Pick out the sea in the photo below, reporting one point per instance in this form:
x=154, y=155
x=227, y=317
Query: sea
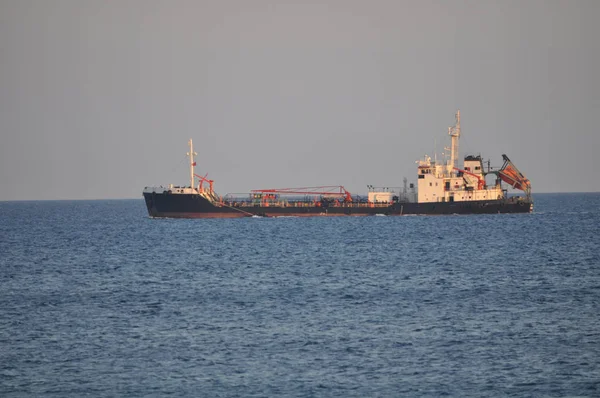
x=98, y=299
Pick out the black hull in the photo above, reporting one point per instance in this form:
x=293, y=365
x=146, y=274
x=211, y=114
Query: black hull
x=195, y=206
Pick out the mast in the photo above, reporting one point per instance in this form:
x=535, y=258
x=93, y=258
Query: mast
x=191, y=154
x=455, y=134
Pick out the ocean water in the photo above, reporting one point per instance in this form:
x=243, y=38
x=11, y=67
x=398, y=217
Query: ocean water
x=97, y=299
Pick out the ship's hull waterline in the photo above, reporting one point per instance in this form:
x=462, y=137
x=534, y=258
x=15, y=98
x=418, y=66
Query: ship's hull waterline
x=164, y=205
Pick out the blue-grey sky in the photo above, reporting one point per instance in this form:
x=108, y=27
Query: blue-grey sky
x=99, y=98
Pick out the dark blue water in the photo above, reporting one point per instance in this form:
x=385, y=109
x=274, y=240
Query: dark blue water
x=98, y=299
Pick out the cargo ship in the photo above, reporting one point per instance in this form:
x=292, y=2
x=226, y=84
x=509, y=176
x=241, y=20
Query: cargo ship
x=441, y=188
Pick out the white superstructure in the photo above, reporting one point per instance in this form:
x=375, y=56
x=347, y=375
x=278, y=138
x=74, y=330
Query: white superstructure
x=446, y=182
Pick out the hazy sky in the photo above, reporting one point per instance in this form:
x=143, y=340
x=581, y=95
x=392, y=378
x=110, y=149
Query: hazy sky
x=99, y=98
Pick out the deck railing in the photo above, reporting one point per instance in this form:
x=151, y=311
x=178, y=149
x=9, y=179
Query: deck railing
x=319, y=204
